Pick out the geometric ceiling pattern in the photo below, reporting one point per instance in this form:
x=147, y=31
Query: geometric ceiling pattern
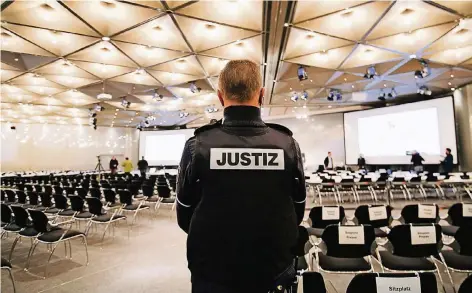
x=57, y=57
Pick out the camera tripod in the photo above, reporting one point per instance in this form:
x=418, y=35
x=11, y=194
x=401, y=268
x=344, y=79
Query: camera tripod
x=99, y=166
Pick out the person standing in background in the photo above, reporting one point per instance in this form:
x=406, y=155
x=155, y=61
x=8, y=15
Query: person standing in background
x=127, y=165
x=361, y=162
x=113, y=165
x=143, y=166
x=448, y=162
x=417, y=161
x=328, y=162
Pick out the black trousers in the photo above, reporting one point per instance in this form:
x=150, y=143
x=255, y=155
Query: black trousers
x=143, y=172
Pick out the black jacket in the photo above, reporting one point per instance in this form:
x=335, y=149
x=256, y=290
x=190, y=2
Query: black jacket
x=241, y=195
x=326, y=162
x=448, y=163
x=361, y=162
x=142, y=165
x=417, y=160
x=113, y=164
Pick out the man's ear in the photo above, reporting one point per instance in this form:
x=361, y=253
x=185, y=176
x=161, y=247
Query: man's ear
x=220, y=97
x=261, y=96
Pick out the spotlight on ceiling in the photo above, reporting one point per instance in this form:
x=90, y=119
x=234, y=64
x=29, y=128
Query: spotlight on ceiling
x=98, y=108
x=156, y=96
x=183, y=114
x=424, y=90
x=392, y=93
x=332, y=94
x=150, y=118
x=211, y=109
x=194, y=89
x=301, y=72
x=370, y=73
x=381, y=96
x=125, y=103
x=425, y=70
x=304, y=96
x=93, y=122
x=139, y=127
x=294, y=97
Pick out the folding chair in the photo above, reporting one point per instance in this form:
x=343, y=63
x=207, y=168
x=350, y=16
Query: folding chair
x=345, y=249
x=27, y=230
x=420, y=213
x=320, y=217
x=6, y=265
x=378, y=216
x=367, y=282
x=52, y=234
x=165, y=196
x=8, y=223
x=148, y=193
x=456, y=218
x=11, y=197
x=102, y=217
x=411, y=248
x=126, y=200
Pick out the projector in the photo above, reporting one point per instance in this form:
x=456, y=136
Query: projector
x=104, y=96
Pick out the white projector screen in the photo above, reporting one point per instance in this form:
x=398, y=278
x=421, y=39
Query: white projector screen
x=163, y=147
x=389, y=135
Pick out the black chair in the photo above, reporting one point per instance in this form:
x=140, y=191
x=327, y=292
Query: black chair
x=46, y=202
x=410, y=214
x=22, y=221
x=126, y=200
x=101, y=217
x=8, y=223
x=33, y=199
x=345, y=252
x=6, y=265
x=466, y=286
x=148, y=193
x=95, y=192
x=60, y=202
x=21, y=195
x=52, y=234
x=367, y=282
x=321, y=217
x=78, y=206
x=460, y=258
x=456, y=219
x=381, y=215
x=403, y=255
x=110, y=198
x=11, y=197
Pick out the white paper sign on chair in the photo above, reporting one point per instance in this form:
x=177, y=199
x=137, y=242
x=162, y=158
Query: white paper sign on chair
x=330, y=213
x=351, y=235
x=386, y=285
x=377, y=213
x=426, y=211
x=423, y=235
x=467, y=210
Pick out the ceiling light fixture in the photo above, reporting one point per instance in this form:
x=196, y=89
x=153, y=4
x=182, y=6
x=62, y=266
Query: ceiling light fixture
x=301, y=73
x=392, y=93
x=193, y=88
x=304, y=95
x=424, y=90
x=412, y=56
x=125, y=103
x=424, y=72
x=294, y=97
x=106, y=39
x=371, y=73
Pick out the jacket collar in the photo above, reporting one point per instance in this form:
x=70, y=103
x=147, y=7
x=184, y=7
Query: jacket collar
x=242, y=116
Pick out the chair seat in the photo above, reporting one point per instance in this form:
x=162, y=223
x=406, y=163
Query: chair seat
x=83, y=215
x=6, y=263
x=400, y=263
x=315, y=232
x=457, y=261
x=380, y=233
x=12, y=227
x=51, y=211
x=56, y=234
x=133, y=207
x=341, y=264
x=301, y=263
x=3, y=224
x=67, y=213
x=168, y=200
x=29, y=232
x=106, y=218
x=152, y=199
x=449, y=230
x=28, y=206
x=41, y=209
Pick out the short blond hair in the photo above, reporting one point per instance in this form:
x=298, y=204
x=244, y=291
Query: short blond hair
x=240, y=80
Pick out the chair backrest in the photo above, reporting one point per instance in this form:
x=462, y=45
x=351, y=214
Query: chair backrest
x=95, y=192
x=33, y=198
x=420, y=213
x=163, y=191
x=95, y=206
x=48, y=189
x=45, y=199
x=348, y=241
x=21, y=216
x=110, y=195
x=76, y=203
x=403, y=245
x=125, y=197
x=40, y=221
x=464, y=238
x=6, y=214
x=60, y=201
x=456, y=214
x=148, y=190
x=313, y=282
x=81, y=192
x=323, y=216
x=367, y=282
x=466, y=286
x=375, y=215
x=11, y=195
x=21, y=196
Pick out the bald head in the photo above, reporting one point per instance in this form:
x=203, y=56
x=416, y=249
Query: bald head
x=240, y=83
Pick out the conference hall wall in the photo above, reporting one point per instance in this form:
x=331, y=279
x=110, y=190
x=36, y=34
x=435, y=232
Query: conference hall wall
x=63, y=147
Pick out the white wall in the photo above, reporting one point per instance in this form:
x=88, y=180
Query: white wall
x=63, y=147
x=316, y=136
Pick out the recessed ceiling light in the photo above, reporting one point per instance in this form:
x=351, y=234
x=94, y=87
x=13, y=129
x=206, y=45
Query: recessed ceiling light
x=452, y=75
x=311, y=80
x=412, y=56
x=345, y=79
x=304, y=106
x=290, y=88
x=449, y=83
x=453, y=88
x=286, y=24
x=16, y=59
x=330, y=106
x=385, y=85
x=106, y=39
x=352, y=86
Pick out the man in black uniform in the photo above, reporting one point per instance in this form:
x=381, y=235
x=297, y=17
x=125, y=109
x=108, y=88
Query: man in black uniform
x=143, y=166
x=241, y=192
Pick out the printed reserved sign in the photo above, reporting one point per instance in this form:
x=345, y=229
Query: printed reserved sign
x=410, y=285
x=467, y=210
x=426, y=211
x=423, y=235
x=247, y=159
x=377, y=213
x=351, y=235
x=330, y=213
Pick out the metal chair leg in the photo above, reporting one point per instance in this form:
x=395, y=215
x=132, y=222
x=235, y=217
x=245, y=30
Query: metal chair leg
x=30, y=254
x=13, y=247
x=12, y=280
x=65, y=248
x=104, y=232
x=70, y=249
x=86, y=249
x=49, y=259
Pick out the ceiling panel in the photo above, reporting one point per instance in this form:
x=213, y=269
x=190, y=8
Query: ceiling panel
x=13, y=43
x=212, y=66
x=351, y=24
x=103, y=71
x=452, y=56
x=9, y=74
x=456, y=38
x=407, y=16
x=248, y=49
x=103, y=52
x=146, y=55
x=311, y=9
x=137, y=77
x=186, y=65
x=168, y=78
x=148, y=3
x=70, y=81
x=367, y=55
x=64, y=68
x=463, y=7
x=330, y=59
